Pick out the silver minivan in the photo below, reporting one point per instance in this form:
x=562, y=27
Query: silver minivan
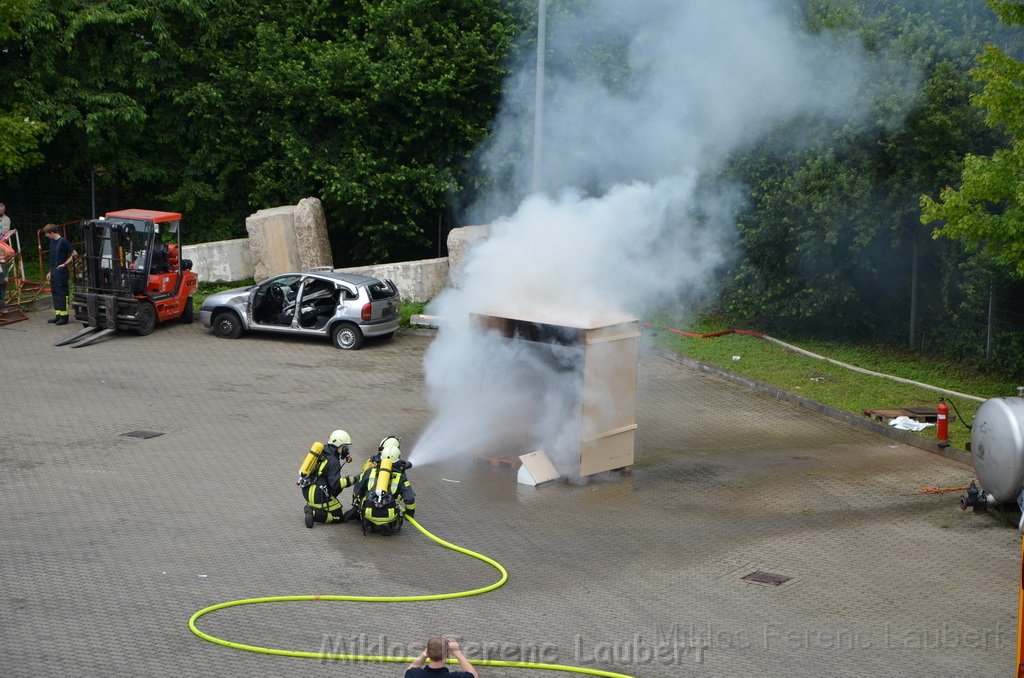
x=347, y=307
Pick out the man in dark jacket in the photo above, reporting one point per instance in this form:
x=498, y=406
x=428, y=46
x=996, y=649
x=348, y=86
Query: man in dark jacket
x=61, y=256
x=435, y=655
x=322, y=488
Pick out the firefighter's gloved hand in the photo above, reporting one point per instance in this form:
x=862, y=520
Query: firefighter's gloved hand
x=348, y=460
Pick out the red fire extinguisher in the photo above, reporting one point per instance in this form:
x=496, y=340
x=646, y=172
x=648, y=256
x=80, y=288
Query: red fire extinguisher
x=942, y=423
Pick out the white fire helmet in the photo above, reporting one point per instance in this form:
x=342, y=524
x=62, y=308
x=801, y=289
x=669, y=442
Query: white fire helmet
x=385, y=441
x=339, y=438
x=391, y=451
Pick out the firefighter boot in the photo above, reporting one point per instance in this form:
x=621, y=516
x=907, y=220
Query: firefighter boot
x=309, y=516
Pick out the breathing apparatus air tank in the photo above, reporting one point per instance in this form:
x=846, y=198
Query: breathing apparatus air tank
x=313, y=457
x=390, y=453
x=383, y=477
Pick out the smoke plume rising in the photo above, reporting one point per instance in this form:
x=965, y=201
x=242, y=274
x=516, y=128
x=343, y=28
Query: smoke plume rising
x=629, y=218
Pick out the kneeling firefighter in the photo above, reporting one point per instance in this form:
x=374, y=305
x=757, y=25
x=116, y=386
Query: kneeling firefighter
x=383, y=493
x=321, y=480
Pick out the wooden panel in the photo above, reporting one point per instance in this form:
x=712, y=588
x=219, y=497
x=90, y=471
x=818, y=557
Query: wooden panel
x=608, y=452
x=609, y=386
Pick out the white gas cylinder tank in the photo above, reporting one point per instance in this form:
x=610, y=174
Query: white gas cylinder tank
x=997, y=443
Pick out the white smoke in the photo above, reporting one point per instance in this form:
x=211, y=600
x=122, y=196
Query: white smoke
x=627, y=221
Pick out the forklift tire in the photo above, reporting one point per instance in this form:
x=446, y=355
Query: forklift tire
x=145, y=316
x=227, y=325
x=187, y=316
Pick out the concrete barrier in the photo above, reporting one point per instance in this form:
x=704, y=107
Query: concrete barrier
x=221, y=261
x=418, y=281
x=227, y=261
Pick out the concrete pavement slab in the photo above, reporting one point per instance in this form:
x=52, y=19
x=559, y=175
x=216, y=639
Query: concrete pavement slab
x=110, y=542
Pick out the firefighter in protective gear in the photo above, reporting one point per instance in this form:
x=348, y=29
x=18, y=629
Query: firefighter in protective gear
x=383, y=494
x=322, y=486
x=340, y=438
x=375, y=459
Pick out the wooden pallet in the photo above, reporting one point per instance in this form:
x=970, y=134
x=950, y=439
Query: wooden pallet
x=500, y=460
x=921, y=414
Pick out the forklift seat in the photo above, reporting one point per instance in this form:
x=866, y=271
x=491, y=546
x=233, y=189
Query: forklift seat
x=160, y=258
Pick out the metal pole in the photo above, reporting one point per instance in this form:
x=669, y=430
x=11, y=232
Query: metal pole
x=913, y=294
x=991, y=308
x=92, y=185
x=538, y=98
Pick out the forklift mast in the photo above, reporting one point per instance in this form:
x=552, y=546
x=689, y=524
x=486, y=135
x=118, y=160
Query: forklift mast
x=112, y=248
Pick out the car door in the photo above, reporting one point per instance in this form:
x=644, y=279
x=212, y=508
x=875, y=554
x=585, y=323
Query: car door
x=272, y=304
x=316, y=305
x=385, y=301
x=348, y=302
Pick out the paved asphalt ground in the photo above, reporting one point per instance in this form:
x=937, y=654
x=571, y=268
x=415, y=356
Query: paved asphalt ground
x=109, y=543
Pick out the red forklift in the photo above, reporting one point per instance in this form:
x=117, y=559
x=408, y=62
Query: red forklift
x=132, y=275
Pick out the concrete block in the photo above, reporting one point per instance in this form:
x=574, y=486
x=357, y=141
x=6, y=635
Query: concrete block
x=460, y=242
x=311, y=234
x=423, y=320
x=221, y=261
x=272, y=241
x=288, y=238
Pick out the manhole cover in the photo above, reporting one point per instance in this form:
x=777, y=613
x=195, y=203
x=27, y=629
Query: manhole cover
x=769, y=578
x=143, y=434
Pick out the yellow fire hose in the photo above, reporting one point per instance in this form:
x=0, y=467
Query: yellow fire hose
x=387, y=599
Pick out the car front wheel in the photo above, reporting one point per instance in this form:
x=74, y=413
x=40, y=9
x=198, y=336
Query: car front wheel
x=227, y=325
x=347, y=337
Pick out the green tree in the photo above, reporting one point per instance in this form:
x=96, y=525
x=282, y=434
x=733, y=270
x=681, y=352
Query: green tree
x=832, y=226
x=987, y=210
x=217, y=109
x=20, y=132
x=372, y=106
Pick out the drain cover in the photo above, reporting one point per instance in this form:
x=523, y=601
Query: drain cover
x=143, y=434
x=769, y=578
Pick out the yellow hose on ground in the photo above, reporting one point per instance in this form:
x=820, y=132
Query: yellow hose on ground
x=387, y=599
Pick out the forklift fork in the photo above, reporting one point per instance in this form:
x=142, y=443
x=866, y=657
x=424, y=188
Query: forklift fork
x=97, y=328
x=91, y=334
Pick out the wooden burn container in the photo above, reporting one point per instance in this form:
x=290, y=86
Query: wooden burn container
x=605, y=353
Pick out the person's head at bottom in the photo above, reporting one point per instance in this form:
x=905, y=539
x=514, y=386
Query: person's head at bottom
x=437, y=649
